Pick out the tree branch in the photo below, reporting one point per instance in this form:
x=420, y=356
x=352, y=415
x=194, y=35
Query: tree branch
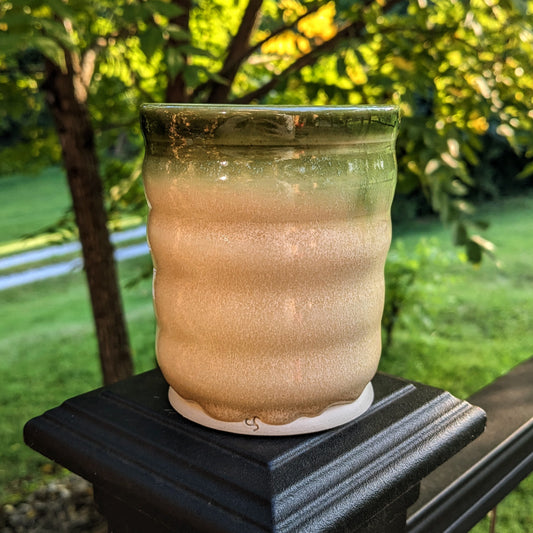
x=350, y=31
x=282, y=29
x=220, y=91
x=225, y=71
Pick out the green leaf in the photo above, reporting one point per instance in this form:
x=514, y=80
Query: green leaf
x=56, y=30
x=464, y=207
x=456, y=188
x=341, y=64
x=460, y=235
x=134, y=13
x=474, y=252
x=520, y=6
x=475, y=142
x=151, y=40
x=177, y=33
x=526, y=172
x=175, y=62
x=189, y=49
x=469, y=155
x=62, y=9
x=167, y=9
x=190, y=74
x=217, y=77
x=50, y=49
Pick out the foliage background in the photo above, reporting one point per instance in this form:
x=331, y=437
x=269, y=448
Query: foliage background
x=459, y=71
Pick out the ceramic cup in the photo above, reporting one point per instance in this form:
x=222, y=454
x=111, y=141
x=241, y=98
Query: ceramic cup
x=269, y=228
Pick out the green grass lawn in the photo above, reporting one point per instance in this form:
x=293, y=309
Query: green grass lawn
x=48, y=353
x=476, y=325
x=481, y=319
x=31, y=203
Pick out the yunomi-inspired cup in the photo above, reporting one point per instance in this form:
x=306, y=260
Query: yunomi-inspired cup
x=269, y=227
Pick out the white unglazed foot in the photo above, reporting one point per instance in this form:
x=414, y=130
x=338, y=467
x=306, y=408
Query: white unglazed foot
x=333, y=416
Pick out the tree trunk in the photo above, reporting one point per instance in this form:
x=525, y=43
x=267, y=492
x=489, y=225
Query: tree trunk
x=76, y=136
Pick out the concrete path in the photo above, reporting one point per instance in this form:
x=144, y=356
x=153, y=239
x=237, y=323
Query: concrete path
x=64, y=267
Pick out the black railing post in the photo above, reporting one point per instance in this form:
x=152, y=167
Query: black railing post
x=463, y=490
x=154, y=471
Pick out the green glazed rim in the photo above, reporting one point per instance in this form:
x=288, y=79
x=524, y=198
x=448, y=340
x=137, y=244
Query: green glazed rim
x=257, y=125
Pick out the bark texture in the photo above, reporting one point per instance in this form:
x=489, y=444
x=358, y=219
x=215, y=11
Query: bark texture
x=66, y=99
